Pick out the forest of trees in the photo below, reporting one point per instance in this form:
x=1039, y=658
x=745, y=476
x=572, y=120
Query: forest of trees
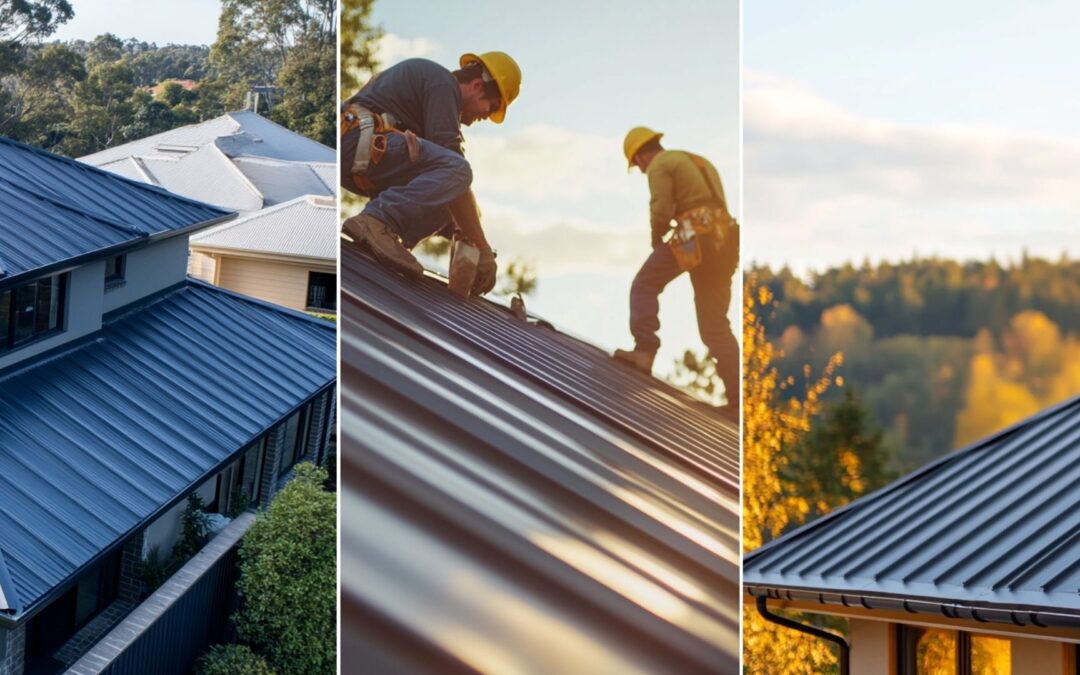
x=941, y=353
x=79, y=97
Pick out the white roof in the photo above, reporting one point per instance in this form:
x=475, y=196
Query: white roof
x=305, y=227
x=224, y=170
x=242, y=133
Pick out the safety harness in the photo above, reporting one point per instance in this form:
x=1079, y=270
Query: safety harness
x=371, y=144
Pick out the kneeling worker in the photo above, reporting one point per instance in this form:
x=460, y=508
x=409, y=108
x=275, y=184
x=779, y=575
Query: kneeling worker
x=401, y=146
x=704, y=241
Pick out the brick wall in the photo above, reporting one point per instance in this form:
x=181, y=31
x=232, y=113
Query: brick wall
x=12, y=650
x=130, y=586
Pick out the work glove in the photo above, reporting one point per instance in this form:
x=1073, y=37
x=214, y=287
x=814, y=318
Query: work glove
x=486, y=270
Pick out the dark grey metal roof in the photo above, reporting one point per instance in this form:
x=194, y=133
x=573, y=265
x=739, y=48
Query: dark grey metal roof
x=97, y=438
x=991, y=532
x=516, y=501
x=56, y=209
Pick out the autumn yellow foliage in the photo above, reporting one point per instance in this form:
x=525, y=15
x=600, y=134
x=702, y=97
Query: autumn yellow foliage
x=1035, y=367
x=769, y=426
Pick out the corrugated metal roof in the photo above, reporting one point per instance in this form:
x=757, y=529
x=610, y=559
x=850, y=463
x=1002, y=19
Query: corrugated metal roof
x=307, y=226
x=56, y=209
x=280, y=181
x=995, y=526
x=96, y=438
x=207, y=175
x=517, y=501
x=242, y=133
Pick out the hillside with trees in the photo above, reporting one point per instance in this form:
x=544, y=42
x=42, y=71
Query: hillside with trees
x=940, y=352
x=80, y=96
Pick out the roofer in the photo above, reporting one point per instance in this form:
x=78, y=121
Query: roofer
x=401, y=146
x=685, y=188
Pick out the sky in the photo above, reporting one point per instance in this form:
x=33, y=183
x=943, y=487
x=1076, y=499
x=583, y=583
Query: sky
x=551, y=180
x=160, y=21
x=880, y=130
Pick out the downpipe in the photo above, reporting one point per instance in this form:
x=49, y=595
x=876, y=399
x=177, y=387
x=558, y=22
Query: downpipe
x=845, y=650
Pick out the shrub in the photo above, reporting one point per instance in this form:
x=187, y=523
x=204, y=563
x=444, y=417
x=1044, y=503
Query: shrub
x=195, y=525
x=231, y=660
x=287, y=583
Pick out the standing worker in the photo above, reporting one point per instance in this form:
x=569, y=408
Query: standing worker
x=401, y=146
x=685, y=188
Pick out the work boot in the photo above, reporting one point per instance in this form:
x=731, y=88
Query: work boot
x=637, y=359
x=373, y=235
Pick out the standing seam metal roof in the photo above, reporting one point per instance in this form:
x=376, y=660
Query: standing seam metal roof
x=514, y=501
x=994, y=527
x=57, y=209
x=96, y=438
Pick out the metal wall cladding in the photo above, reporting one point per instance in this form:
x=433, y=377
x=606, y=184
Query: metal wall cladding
x=994, y=525
x=55, y=209
x=96, y=439
x=517, y=501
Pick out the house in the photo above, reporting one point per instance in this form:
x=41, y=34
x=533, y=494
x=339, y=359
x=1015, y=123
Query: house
x=285, y=254
x=125, y=387
x=970, y=559
x=514, y=500
x=243, y=162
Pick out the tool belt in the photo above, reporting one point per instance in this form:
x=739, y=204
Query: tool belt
x=371, y=143
x=695, y=229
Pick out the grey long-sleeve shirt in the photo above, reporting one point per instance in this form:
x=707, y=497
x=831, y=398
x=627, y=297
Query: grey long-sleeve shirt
x=424, y=98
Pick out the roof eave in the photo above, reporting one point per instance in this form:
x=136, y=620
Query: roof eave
x=69, y=264
x=1026, y=616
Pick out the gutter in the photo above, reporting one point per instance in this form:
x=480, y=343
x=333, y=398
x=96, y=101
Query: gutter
x=845, y=650
x=1014, y=615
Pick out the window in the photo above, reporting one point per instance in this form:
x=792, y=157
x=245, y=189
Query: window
x=297, y=431
x=114, y=271
x=53, y=626
x=322, y=291
x=31, y=311
x=926, y=651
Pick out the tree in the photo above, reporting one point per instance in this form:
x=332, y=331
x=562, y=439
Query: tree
x=770, y=426
x=517, y=278
x=287, y=583
x=358, y=40
x=26, y=21
x=231, y=660
x=35, y=106
x=839, y=459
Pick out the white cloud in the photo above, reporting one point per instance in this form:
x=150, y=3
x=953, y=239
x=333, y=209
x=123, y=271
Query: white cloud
x=824, y=184
x=393, y=48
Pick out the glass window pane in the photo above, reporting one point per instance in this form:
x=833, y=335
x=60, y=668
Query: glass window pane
x=322, y=291
x=990, y=655
x=935, y=652
x=25, y=306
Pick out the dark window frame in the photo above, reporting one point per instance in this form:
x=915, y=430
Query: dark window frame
x=907, y=641
x=118, y=278
x=329, y=283
x=60, y=284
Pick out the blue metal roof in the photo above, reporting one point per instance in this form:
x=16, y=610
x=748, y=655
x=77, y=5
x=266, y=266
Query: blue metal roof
x=991, y=532
x=515, y=499
x=56, y=209
x=96, y=438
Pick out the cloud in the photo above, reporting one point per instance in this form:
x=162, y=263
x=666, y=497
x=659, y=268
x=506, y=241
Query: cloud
x=393, y=48
x=825, y=184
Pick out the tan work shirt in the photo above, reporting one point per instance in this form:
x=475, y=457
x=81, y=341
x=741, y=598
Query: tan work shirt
x=677, y=185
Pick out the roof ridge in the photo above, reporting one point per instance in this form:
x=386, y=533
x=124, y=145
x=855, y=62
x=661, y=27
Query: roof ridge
x=916, y=475
x=279, y=126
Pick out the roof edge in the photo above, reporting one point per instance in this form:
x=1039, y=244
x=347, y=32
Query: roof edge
x=904, y=481
x=982, y=612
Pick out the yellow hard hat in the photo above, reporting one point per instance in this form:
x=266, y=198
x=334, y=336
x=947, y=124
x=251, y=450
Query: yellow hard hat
x=504, y=70
x=636, y=139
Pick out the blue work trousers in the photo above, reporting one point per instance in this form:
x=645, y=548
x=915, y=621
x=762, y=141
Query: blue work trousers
x=712, y=295
x=412, y=197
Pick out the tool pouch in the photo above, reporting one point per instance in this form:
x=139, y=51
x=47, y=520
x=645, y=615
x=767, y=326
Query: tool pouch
x=686, y=248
